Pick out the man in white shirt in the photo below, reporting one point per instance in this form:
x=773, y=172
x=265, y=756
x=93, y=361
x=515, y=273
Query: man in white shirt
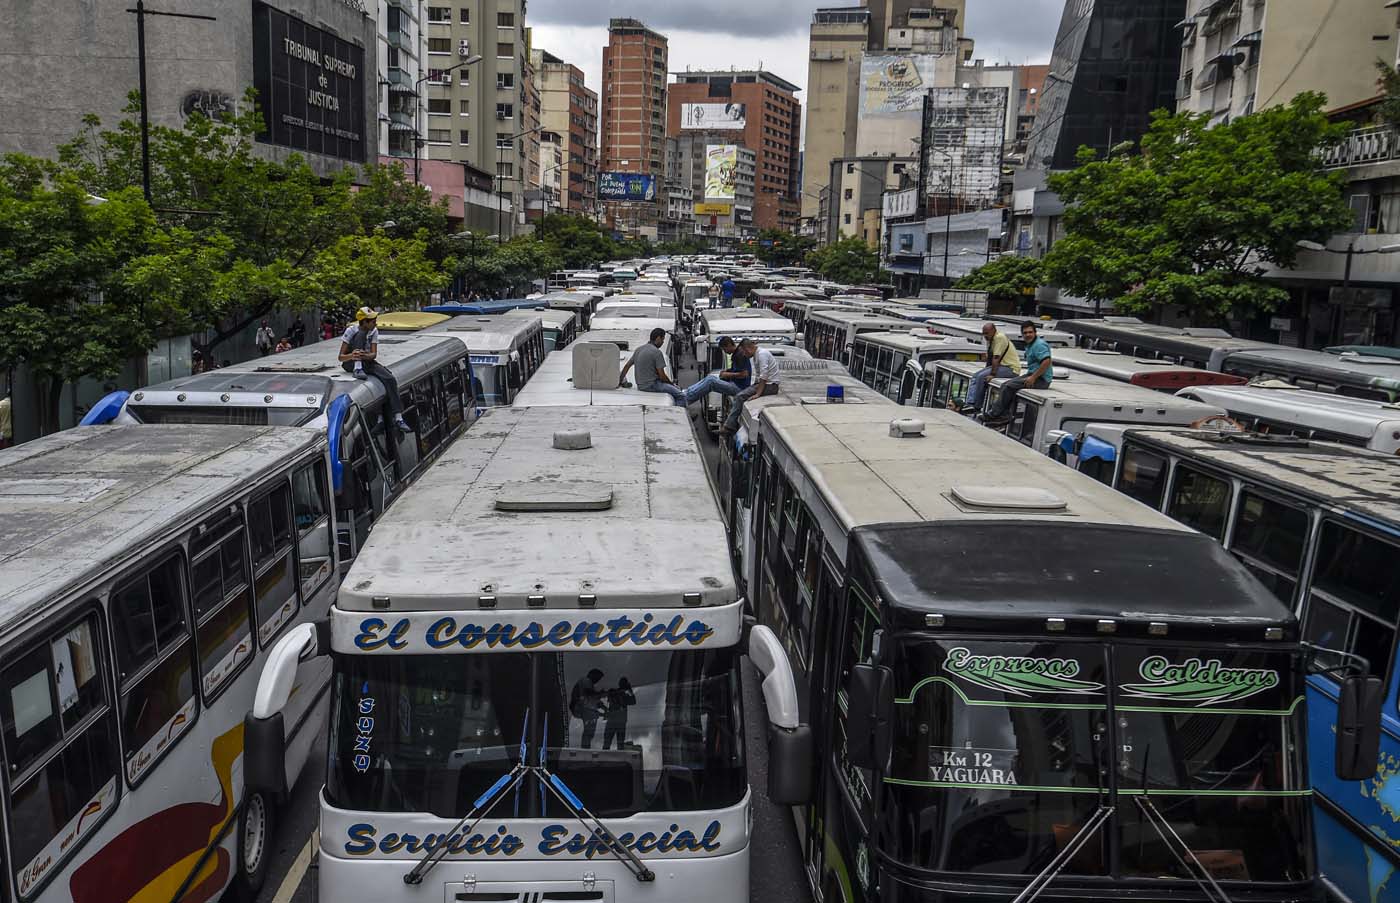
x=765, y=382
x=359, y=348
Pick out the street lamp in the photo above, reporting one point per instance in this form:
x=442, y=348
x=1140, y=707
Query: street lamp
x=418, y=104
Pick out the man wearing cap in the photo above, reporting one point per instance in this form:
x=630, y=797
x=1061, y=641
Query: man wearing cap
x=359, y=348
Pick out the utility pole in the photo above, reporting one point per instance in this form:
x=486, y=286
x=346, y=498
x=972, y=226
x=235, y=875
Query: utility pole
x=141, y=14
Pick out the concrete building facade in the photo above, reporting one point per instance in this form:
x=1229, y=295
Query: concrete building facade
x=754, y=109
x=402, y=51
x=569, y=117
x=717, y=217
x=633, y=123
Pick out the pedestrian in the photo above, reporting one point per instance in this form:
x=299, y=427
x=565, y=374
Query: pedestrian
x=1002, y=362
x=586, y=704
x=359, y=350
x=615, y=717
x=283, y=344
x=1040, y=373
x=328, y=329
x=727, y=291
x=650, y=365
x=265, y=339
x=7, y=422
x=767, y=378
x=714, y=295
x=298, y=332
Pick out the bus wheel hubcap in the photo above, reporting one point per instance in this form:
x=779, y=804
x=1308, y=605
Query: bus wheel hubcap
x=254, y=833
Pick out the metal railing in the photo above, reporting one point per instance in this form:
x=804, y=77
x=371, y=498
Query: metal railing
x=1372, y=144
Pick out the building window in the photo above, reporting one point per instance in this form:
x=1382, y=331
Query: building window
x=849, y=193
x=850, y=168
x=464, y=137
x=464, y=107
x=848, y=219
x=440, y=14
x=505, y=111
x=505, y=79
x=505, y=51
x=439, y=136
x=466, y=16
x=440, y=76
x=505, y=20
x=505, y=170
x=439, y=45
x=442, y=105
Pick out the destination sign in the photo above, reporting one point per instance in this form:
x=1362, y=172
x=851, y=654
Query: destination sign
x=956, y=765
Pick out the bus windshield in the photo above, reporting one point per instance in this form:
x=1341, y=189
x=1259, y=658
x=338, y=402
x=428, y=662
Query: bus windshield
x=239, y=415
x=1004, y=750
x=629, y=732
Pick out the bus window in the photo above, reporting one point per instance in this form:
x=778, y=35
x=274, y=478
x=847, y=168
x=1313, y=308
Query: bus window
x=1269, y=538
x=1144, y=476
x=1098, y=469
x=454, y=389
x=270, y=527
x=311, y=513
x=861, y=355
x=60, y=747
x=1200, y=500
x=220, y=591
x=1023, y=420
x=429, y=420
x=1355, y=595
x=154, y=666
x=356, y=501
x=862, y=623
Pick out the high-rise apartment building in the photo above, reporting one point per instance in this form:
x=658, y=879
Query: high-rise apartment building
x=569, y=119
x=402, y=47
x=481, y=114
x=634, y=114
x=752, y=109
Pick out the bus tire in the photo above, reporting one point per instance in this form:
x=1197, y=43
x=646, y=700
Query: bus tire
x=255, y=824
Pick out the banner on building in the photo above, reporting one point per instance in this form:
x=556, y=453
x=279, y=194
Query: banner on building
x=713, y=209
x=893, y=84
x=721, y=171
x=626, y=186
x=697, y=116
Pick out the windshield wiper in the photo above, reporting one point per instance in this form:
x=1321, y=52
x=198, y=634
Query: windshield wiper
x=1154, y=817
x=1041, y=881
x=479, y=810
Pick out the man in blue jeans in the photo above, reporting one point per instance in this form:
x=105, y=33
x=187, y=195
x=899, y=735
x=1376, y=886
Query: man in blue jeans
x=727, y=292
x=1002, y=362
x=650, y=364
x=1039, y=374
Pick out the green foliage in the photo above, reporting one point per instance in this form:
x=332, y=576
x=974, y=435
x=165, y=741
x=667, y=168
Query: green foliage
x=387, y=201
x=375, y=270
x=786, y=249
x=500, y=269
x=1008, y=277
x=1389, y=82
x=682, y=247
x=1192, y=218
x=578, y=242
x=847, y=260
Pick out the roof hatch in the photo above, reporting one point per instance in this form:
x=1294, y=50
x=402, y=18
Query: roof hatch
x=1007, y=498
x=573, y=495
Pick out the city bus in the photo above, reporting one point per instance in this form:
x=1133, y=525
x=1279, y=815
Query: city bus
x=1021, y=684
x=831, y=333
x=1273, y=408
x=308, y=388
x=144, y=573
x=556, y=713
x=560, y=326
x=892, y=363
x=774, y=299
x=971, y=328
x=505, y=352
x=1150, y=373
x=562, y=379
x=799, y=310
x=580, y=303
x=1319, y=524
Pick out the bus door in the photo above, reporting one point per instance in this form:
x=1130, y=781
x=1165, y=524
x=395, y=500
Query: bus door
x=364, y=487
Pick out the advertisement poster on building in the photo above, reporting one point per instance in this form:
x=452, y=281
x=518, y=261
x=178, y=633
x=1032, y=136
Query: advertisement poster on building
x=713, y=209
x=894, y=84
x=696, y=116
x=626, y=186
x=721, y=170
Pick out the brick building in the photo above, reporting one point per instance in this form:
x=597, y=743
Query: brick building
x=570, y=120
x=634, y=116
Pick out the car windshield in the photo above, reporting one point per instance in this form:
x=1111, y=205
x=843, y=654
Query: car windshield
x=237, y=415
x=628, y=732
x=1004, y=750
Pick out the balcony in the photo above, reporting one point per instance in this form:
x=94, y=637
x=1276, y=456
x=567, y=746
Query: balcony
x=1372, y=144
x=400, y=82
x=401, y=40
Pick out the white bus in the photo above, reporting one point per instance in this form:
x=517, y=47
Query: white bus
x=537, y=684
x=505, y=352
x=971, y=327
x=831, y=333
x=1150, y=373
x=563, y=380
x=893, y=363
x=144, y=573
x=560, y=326
x=1281, y=409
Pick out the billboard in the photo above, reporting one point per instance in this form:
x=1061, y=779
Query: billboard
x=311, y=86
x=626, y=186
x=963, y=137
x=695, y=116
x=893, y=84
x=721, y=169
x=713, y=209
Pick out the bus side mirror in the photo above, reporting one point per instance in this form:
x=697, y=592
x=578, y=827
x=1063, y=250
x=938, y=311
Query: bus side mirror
x=264, y=733
x=870, y=701
x=790, y=751
x=1359, y=727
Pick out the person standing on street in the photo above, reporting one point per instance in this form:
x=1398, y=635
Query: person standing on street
x=298, y=332
x=766, y=380
x=727, y=291
x=650, y=365
x=1002, y=362
x=714, y=295
x=265, y=339
x=7, y=423
x=1039, y=374
x=359, y=350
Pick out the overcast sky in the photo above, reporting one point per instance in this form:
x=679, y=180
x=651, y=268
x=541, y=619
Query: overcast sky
x=747, y=34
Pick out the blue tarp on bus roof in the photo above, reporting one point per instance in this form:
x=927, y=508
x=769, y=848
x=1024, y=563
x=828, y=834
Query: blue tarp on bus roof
x=480, y=308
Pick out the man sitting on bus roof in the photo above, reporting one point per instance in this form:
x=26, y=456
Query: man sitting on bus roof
x=359, y=348
x=768, y=375
x=740, y=371
x=1039, y=373
x=1002, y=362
x=651, y=374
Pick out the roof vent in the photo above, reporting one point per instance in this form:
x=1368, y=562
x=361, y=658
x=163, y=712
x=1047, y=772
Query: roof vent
x=906, y=428
x=1008, y=498
x=575, y=495
x=573, y=440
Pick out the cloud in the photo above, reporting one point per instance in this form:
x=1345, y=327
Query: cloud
x=734, y=17
x=1019, y=31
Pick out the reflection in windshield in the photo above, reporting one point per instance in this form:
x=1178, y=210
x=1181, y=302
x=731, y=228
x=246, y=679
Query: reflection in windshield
x=489, y=383
x=1003, y=751
x=628, y=732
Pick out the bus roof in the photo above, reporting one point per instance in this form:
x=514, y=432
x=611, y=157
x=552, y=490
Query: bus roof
x=1089, y=389
x=1351, y=370
x=972, y=328
x=860, y=316
x=83, y=502
x=409, y=320
x=1341, y=415
x=1365, y=482
x=480, y=308
x=1199, y=345
x=635, y=317
x=488, y=335
x=745, y=319
x=915, y=341
x=656, y=538
x=552, y=385
x=943, y=518
x=1150, y=373
x=548, y=317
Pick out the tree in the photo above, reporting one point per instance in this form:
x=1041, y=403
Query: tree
x=1192, y=219
x=387, y=201
x=1389, y=82
x=1008, y=277
x=847, y=260
x=577, y=242
x=375, y=270
x=783, y=249
x=500, y=269
x=64, y=310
